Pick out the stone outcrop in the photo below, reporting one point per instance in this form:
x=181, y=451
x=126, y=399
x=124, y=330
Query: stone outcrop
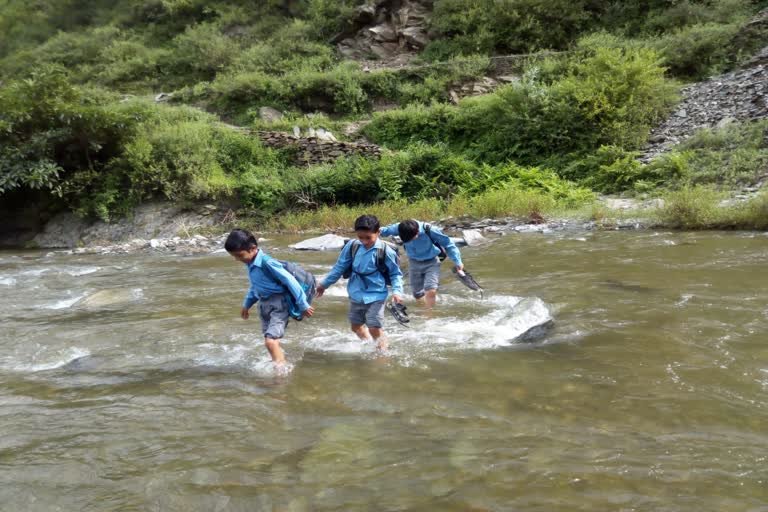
x=385, y=29
x=741, y=95
x=312, y=150
x=149, y=221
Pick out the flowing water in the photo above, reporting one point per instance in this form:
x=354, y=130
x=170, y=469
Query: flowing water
x=651, y=392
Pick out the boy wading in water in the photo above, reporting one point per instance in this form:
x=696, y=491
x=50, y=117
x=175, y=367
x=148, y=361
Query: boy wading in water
x=373, y=263
x=426, y=247
x=272, y=286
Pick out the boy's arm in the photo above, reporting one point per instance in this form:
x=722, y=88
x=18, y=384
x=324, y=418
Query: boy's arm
x=395, y=274
x=290, y=282
x=339, y=267
x=447, y=243
x=391, y=230
x=251, y=298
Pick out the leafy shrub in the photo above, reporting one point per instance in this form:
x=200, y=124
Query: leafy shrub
x=690, y=208
x=125, y=61
x=414, y=123
x=698, y=51
x=733, y=156
x=49, y=128
x=203, y=49
x=505, y=26
x=610, y=97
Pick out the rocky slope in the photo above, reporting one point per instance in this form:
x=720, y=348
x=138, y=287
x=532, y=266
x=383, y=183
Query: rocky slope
x=741, y=95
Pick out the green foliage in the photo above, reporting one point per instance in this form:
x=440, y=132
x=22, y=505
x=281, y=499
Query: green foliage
x=733, y=156
x=202, y=50
x=49, y=128
x=130, y=61
x=578, y=117
x=610, y=97
x=691, y=208
x=506, y=26
x=698, y=51
x=421, y=171
x=416, y=123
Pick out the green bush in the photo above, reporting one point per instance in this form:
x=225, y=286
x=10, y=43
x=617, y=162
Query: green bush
x=123, y=62
x=49, y=128
x=203, y=50
x=691, y=208
x=698, y=51
x=506, y=26
x=610, y=97
x=733, y=156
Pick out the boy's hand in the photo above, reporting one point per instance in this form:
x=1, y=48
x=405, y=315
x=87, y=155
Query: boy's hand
x=397, y=298
x=244, y=314
x=308, y=312
x=459, y=268
x=319, y=290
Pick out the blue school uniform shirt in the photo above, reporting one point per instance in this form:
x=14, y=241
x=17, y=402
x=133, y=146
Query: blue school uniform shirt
x=422, y=248
x=370, y=288
x=265, y=283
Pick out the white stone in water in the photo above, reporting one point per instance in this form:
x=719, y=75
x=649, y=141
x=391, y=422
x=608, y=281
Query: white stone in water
x=328, y=242
x=459, y=242
x=473, y=237
x=528, y=320
x=154, y=243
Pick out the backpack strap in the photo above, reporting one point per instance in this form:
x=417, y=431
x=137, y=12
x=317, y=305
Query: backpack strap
x=381, y=263
x=428, y=231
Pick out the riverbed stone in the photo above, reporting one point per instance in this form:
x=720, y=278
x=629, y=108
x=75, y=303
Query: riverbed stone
x=529, y=320
x=108, y=297
x=473, y=237
x=329, y=242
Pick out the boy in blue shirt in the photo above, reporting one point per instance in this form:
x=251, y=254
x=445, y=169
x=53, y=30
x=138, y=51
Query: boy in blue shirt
x=270, y=283
x=421, y=245
x=367, y=286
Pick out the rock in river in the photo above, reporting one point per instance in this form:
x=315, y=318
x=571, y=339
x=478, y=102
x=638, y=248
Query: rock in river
x=321, y=243
x=528, y=320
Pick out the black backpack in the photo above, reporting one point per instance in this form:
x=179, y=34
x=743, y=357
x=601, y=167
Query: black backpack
x=443, y=254
x=381, y=263
x=306, y=280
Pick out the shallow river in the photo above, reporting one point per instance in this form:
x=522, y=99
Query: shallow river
x=651, y=392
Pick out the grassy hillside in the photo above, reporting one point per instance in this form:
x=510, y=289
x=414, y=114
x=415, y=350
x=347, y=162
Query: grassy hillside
x=79, y=128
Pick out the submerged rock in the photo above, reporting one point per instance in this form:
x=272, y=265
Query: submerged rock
x=321, y=243
x=109, y=297
x=528, y=320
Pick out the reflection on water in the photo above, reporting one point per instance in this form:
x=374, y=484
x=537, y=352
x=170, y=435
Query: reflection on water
x=130, y=383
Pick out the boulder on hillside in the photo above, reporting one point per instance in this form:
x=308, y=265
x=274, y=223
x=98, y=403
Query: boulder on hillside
x=270, y=114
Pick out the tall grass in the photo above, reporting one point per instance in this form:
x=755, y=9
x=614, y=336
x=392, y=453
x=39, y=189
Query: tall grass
x=701, y=208
x=507, y=202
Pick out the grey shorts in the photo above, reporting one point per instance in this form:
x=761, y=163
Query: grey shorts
x=371, y=314
x=424, y=275
x=274, y=316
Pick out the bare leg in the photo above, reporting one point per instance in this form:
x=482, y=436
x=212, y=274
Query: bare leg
x=430, y=298
x=378, y=335
x=275, y=351
x=361, y=331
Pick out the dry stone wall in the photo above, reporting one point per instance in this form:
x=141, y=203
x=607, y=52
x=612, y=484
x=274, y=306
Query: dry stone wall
x=312, y=150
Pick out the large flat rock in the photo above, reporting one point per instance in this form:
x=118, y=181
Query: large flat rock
x=321, y=243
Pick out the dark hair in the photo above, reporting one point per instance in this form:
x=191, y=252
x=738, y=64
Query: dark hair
x=367, y=223
x=240, y=240
x=407, y=230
